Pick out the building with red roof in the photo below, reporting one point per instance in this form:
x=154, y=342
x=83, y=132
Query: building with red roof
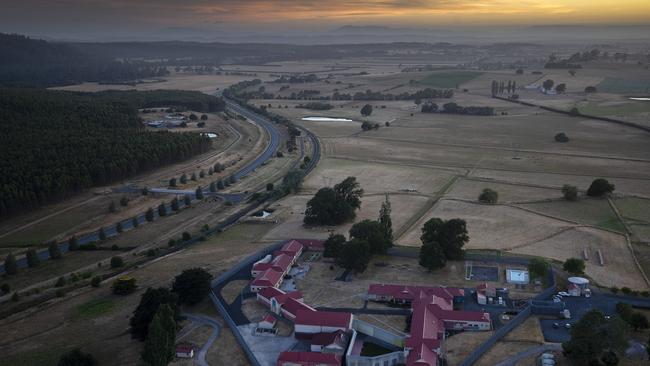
x=292, y=248
x=308, y=359
x=268, y=278
x=433, y=313
x=311, y=322
x=292, y=307
x=281, y=263
x=333, y=342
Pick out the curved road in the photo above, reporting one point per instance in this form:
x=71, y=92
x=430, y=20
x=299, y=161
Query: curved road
x=207, y=321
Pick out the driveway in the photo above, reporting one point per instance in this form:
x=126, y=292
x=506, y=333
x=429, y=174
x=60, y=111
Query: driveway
x=210, y=322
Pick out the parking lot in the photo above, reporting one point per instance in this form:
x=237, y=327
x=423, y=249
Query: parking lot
x=578, y=306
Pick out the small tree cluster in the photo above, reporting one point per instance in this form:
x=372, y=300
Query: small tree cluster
x=488, y=196
x=334, y=206
x=442, y=240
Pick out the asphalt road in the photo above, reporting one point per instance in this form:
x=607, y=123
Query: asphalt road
x=207, y=321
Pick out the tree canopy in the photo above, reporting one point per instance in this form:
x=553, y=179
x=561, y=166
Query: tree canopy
x=161, y=336
x=373, y=233
x=77, y=358
x=451, y=235
x=334, y=206
x=55, y=144
x=333, y=245
x=355, y=255
x=574, y=266
x=599, y=187
x=192, y=285
x=593, y=335
x=147, y=308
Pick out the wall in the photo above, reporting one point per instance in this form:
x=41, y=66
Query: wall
x=379, y=333
x=225, y=278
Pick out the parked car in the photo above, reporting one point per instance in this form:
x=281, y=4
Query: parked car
x=556, y=325
x=567, y=326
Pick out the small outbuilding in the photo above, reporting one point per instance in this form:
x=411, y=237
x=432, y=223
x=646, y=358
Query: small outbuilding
x=517, y=276
x=184, y=351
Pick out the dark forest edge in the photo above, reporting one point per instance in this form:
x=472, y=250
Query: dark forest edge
x=55, y=144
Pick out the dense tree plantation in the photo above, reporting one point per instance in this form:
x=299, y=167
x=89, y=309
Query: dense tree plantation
x=54, y=144
x=62, y=64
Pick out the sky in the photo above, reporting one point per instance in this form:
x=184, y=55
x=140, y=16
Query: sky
x=104, y=17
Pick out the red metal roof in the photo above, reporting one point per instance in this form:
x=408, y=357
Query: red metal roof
x=280, y=296
x=309, y=358
x=294, y=307
x=292, y=247
x=422, y=356
x=324, y=318
x=268, y=278
x=325, y=339
x=281, y=263
x=269, y=319
x=408, y=292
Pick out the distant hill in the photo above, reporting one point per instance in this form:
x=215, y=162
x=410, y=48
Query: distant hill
x=26, y=62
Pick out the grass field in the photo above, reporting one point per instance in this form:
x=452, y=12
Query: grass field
x=585, y=211
x=616, y=85
x=635, y=209
x=448, y=79
x=95, y=308
x=614, y=109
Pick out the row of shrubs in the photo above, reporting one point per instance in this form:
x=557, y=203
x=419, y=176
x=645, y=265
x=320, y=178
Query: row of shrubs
x=630, y=292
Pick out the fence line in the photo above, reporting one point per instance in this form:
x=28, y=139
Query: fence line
x=221, y=307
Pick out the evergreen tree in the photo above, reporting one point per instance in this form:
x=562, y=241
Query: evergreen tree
x=432, y=256
x=149, y=304
x=213, y=187
x=199, y=193
x=101, y=233
x=385, y=220
x=159, y=345
x=73, y=243
x=366, y=110
x=32, y=258
x=183, y=178
x=11, y=268
x=172, y=182
x=202, y=174
x=187, y=200
x=54, y=250
x=220, y=185
x=134, y=222
x=119, y=227
x=162, y=210
x=174, y=204
x=194, y=177
x=149, y=215
x=77, y=358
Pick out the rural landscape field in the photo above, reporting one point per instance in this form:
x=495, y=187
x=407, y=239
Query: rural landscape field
x=220, y=183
